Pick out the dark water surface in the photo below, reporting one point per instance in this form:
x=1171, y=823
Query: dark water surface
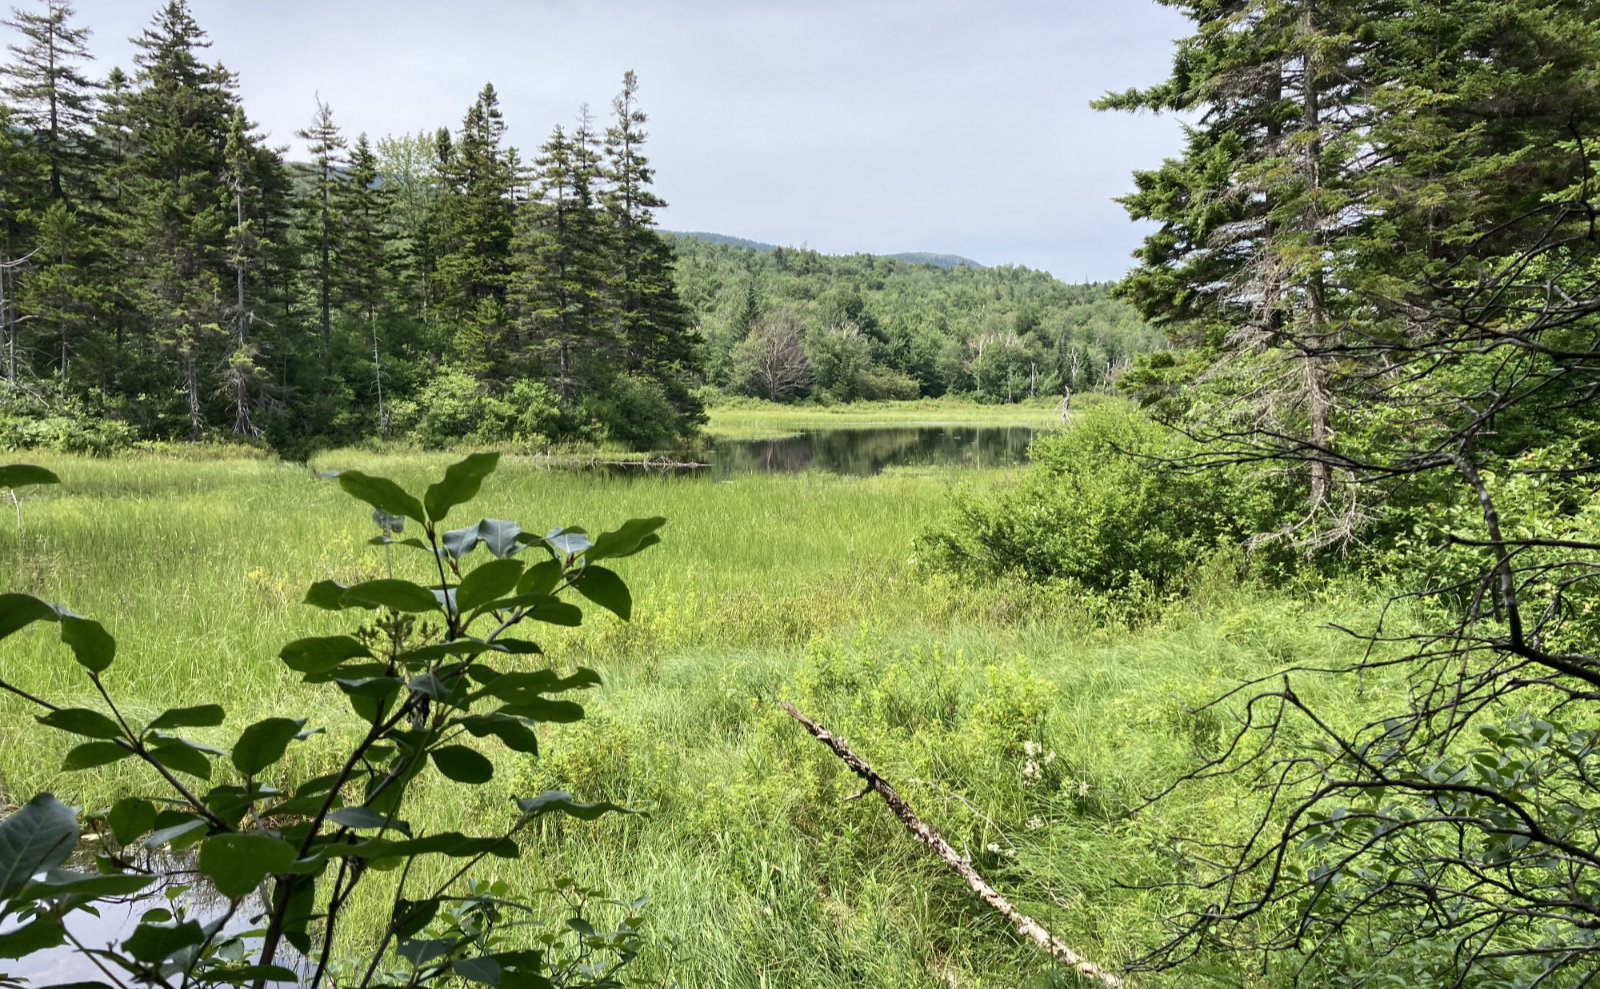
x=864, y=452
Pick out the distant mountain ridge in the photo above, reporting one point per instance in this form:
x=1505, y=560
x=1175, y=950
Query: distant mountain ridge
x=910, y=257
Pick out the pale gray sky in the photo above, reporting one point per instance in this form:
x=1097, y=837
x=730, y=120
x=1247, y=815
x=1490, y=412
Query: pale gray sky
x=848, y=125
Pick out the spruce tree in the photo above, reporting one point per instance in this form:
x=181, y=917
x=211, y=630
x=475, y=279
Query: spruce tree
x=51, y=94
x=561, y=295
x=172, y=222
x=243, y=375
x=21, y=172
x=477, y=214
x=361, y=208
x=324, y=179
x=653, y=327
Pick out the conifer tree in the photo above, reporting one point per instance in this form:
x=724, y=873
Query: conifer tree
x=325, y=179
x=652, y=325
x=361, y=207
x=50, y=92
x=20, y=174
x=172, y=239
x=243, y=374
x=561, y=292
x=477, y=215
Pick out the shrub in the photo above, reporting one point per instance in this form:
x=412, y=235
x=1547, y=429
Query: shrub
x=1098, y=506
x=71, y=426
x=456, y=408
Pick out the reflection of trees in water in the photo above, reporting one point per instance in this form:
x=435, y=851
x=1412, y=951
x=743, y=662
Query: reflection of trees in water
x=864, y=452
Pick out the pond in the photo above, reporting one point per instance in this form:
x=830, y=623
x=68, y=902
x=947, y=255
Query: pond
x=864, y=452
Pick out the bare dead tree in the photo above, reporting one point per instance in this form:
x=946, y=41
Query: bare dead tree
x=771, y=358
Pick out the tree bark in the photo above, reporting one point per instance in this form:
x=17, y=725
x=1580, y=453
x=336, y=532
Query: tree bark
x=1025, y=925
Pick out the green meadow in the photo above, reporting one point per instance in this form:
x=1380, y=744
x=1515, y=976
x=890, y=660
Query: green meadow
x=1022, y=723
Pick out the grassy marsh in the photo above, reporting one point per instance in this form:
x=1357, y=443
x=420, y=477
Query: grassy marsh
x=1015, y=723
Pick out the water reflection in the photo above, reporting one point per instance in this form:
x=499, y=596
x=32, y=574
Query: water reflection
x=864, y=452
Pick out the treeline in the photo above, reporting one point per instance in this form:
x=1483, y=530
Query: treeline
x=791, y=323
x=166, y=273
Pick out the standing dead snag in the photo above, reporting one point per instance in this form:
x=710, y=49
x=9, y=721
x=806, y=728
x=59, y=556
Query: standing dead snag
x=1024, y=924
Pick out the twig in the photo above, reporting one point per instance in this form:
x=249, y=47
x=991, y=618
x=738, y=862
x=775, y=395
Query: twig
x=1024, y=924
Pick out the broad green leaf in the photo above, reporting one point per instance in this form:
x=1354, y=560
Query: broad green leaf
x=499, y=537
x=204, y=716
x=319, y=655
x=541, y=608
x=370, y=698
x=462, y=764
x=69, y=885
x=39, y=835
x=155, y=943
x=528, y=684
x=82, y=721
x=381, y=493
x=459, y=542
x=460, y=484
x=90, y=755
x=326, y=594
x=561, y=802
x=240, y=975
x=423, y=950
x=494, y=579
x=130, y=818
x=439, y=650
x=264, y=743
x=44, y=932
x=362, y=818
x=568, y=542
x=481, y=970
x=452, y=693
x=182, y=757
x=633, y=536
x=237, y=863
x=541, y=578
x=21, y=610
x=450, y=844
x=606, y=589
x=179, y=835
x=401, y=595
x=512, y=731
x=544, y=709
x=92, y=646
x=298, y=912
x=21, y=475
x=410, y=916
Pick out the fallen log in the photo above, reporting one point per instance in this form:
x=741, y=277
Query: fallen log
x=1025, y=925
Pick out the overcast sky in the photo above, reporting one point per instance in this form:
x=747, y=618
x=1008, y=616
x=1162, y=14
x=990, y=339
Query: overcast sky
x=846, y=125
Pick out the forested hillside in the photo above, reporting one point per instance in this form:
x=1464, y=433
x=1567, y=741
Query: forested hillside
x=167, y=273
x=788, y=323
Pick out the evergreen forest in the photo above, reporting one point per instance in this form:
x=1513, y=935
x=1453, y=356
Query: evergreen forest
x=167, y=273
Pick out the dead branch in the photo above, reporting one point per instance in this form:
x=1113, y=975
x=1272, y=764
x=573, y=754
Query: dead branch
x=1024, y=924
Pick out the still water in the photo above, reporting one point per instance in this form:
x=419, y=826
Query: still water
x=864, y=452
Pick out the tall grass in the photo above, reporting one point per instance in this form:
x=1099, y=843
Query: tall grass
x=1018, y=726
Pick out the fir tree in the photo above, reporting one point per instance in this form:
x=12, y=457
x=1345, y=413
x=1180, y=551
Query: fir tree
x=325, y=178
x=172, y=236
x=477, y=213
x=561, y=292
x=652, y=325
x=51, y=93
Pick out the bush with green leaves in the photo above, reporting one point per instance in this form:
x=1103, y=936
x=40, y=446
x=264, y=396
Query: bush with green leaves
x=1106, y=504
x=455, y=407
x=73, y=425
x=435, y=671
